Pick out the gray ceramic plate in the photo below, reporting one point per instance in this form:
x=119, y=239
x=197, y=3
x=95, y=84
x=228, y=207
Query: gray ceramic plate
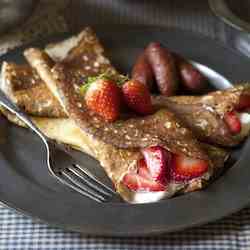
x=26, y=185
x=222, y=10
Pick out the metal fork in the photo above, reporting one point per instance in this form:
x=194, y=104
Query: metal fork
x=61, y=164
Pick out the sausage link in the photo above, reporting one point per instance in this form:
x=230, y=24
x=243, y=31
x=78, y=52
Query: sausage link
x=191, y=78
x=164, y=68
x=142, y=71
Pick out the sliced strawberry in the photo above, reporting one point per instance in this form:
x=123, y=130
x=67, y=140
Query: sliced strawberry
x=143, y=170
x=131, y=181
x=233, y=122
x=158, y=161
x=142, y=181
x=244, y=102
x=137, y=183
x=185, y=168
x=137, y=97
x=104, y=97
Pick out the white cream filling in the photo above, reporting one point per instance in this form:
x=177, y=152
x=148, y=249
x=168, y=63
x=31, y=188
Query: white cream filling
x=245, y=124
x=148, y=197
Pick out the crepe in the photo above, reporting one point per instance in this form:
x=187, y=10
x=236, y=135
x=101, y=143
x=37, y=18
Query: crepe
x=162, y=128
x=205, y=114
x=25, y=88
x=115, y=160
x=22, y=84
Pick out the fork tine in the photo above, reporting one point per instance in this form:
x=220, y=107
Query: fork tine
x=85, y=172
x=79, y=187
x=89, y=181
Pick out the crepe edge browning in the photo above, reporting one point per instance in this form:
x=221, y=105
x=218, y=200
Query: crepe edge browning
x=25, y=88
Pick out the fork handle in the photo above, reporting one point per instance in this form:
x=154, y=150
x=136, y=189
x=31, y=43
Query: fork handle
x=10, y=106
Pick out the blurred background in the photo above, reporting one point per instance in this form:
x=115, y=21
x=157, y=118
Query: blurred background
x=225, y=20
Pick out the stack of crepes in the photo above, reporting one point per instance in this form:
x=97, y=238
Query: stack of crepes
x=47, y=88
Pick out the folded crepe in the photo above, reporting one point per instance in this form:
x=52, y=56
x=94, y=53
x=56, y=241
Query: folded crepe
x=203, y=115
x=130, y=135
x=116, y=158
x=25, y=87
x=117, y=162
x=207, y=115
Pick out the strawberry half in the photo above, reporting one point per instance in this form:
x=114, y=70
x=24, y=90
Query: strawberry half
x=143, y=170
x=137, y=97
x=142, y=181
x=185, y=168
x=104, y=98
x=137, y=183
x=233, y=122
x=158, y=161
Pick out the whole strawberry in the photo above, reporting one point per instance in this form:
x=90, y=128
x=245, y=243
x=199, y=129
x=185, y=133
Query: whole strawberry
x=137, y=97
x=104, y=98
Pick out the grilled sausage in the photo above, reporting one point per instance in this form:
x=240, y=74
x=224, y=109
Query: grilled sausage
x=142, y=71
x=164, y=68
x=191, y=78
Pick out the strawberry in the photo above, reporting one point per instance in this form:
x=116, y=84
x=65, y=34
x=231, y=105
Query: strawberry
x=142, y=181
x=143, y=170
x=244, y=102
x=185, y=168
x=137, y=183
x=158, y=161
x=104, y=98
x=137, y=97
x=233, y=122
